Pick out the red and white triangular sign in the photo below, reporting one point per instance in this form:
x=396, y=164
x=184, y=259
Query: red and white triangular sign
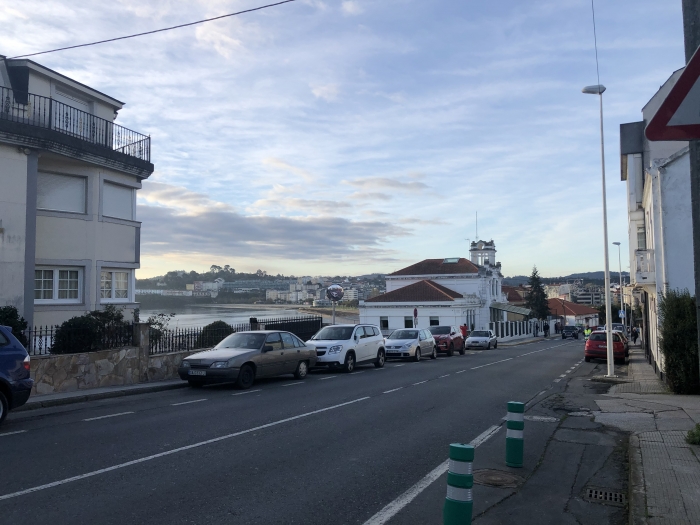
x=678, y=118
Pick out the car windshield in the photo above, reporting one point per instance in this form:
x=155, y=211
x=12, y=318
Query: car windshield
x=404, y=334
x=570, y=328
x=439, y=330
x=334, y=333
x=479, y=333
x=597, y=337
x=242, y=340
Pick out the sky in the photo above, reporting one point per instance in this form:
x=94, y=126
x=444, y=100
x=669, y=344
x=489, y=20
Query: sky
x=345, y=137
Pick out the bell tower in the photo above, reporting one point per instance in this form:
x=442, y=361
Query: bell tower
x=483, y=253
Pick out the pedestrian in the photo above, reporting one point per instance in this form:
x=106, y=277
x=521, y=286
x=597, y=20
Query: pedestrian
x=463, y=329
x=546, y=329
x=535, y=329
x=635, y=334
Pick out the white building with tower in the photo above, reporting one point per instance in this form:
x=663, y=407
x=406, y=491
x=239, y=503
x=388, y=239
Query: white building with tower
x=450, y=291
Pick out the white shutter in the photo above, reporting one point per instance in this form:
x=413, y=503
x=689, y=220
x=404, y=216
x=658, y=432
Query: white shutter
x=117, y=201
x=60, y=193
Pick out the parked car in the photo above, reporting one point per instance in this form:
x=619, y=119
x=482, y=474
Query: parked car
x=448, y=339
x=411, y=342
x=348, y=345
x=618, y=327
x=245, y=356
x=482, y=339
x=15, y=381
x=569, y=331
x=597, y=348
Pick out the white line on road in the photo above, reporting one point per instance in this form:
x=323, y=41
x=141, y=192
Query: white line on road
x=557, y=380
x=293, y=384
x=360, y=372
x=461, y=371
x=392, y=390
x=443, y=376
x=105, y=417
x=563, y=375
x=407, y=497
x=420, y=382
x=327, y=377
x=12, y=433
x=246, y=392
x=494, y=363
x=402, y=364
x=187, y=402
x=175, y=451
x=543, y=392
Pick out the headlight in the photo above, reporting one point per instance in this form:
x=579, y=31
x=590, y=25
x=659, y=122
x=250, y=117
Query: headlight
x=219, y=364
x=335, y=349
x=185, y=363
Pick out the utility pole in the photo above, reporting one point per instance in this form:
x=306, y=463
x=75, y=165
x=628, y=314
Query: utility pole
x=691, y=30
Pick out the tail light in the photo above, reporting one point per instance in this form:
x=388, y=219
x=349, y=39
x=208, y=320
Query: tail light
x=26, y=364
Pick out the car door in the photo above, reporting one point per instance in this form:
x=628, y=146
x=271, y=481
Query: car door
x=272, y=360
x=423, y=338
x=374, y=341
x=292, y=354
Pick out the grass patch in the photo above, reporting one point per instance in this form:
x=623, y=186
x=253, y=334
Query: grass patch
x=693, y=436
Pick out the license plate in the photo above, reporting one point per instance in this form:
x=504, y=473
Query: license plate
x=197, y=372
x=603, y=347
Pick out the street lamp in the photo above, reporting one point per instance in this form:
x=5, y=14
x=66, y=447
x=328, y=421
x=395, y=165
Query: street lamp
x=599, y=89
x=619, y=261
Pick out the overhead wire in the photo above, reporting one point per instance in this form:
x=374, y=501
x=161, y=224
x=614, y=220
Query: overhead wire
x=155, y=30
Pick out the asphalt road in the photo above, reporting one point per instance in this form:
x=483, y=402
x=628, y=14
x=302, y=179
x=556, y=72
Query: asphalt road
x=332, y=449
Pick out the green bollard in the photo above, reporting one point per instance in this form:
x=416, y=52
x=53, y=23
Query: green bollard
x=460, y=480
x=515, y=425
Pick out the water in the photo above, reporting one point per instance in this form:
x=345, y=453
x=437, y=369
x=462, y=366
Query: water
x=196, y=316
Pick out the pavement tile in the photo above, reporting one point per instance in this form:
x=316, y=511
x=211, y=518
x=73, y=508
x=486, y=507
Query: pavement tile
x=630, y=422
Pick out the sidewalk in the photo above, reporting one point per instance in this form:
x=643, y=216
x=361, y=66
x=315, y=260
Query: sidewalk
x=518, y=342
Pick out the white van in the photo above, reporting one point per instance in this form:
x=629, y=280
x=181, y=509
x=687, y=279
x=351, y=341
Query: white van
x=347, y=345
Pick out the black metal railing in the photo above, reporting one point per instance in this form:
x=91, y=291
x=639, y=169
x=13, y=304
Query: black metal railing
x=46, y=340
x=187, y=339
x=48, y=113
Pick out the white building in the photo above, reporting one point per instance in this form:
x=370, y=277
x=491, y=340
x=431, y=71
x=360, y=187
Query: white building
x=69, y=238
x=659, y=208
x=452, y=291
x=351, y=294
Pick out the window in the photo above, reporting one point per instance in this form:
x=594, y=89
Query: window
x=117, y=201
x=288, y=340
x=3, y=340
x=61, y=193
x=61, y=285
x=641, y=238
x=114, y=285
x=408, y=322
x=384, y=323
x=275, y=341
x=434, y=321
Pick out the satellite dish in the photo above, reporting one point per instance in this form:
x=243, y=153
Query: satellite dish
x=335, y=292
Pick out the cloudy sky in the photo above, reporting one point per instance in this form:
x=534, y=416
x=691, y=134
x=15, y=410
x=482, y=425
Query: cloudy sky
x=357, y=136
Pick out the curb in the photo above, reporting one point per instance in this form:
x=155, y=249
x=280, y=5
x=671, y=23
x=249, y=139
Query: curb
x=508, y=344
x=637, y=495
x=38, y=403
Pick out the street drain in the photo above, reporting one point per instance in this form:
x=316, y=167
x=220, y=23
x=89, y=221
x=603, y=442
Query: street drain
x=607, y=496
x=497, y=478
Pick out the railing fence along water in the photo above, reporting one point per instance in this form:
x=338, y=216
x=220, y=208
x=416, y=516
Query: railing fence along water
x=48, y=113
x=186, y=339
x=48, y=340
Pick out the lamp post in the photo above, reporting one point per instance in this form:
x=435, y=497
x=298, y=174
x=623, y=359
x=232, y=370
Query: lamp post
x=599, y=89
x=619, y=261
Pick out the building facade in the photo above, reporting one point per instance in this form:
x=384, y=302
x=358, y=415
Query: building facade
x=69, y=235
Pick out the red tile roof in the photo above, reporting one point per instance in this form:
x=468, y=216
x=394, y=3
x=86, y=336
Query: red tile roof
x=562, y=307
x=514, y=295
x=439, y=267
x=421, y=291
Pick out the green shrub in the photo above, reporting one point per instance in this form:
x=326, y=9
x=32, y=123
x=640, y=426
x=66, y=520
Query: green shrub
x=213, y=334
x=9, y=316
x=693, y=436
x=679, y=341
x=96, y=330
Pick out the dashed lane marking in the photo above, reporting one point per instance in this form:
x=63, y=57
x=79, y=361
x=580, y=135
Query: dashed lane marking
x=246, y=392
x=105, y=417
x=443, y=376
x=461, y=371
x=557, y=380
x=402, y=364
x=12, y=433
x=187, y=402
x=294, y=384
x=327, y=377
x=392, y=390
x=420, y=382
x=494, y=363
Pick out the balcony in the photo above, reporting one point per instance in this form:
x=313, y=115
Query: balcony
x=645, y=268
x=35, y=115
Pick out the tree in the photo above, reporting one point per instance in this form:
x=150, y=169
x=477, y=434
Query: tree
x=537, y=300
x=9, y=316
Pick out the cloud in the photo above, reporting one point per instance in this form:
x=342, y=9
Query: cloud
x=352, y=8
x=328, y=92
x=282, y=165
x=387, y=183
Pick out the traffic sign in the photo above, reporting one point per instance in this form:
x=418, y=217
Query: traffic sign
x=621, y=314
x=678, y=118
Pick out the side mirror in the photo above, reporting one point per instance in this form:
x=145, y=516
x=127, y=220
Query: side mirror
x=267, y=348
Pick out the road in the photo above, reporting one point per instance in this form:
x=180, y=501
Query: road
x=333, y=449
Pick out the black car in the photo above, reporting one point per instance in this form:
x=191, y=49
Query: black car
x=569, y=331
x=15, y=381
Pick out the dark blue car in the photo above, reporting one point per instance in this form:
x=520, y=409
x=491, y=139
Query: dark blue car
x=15, y=381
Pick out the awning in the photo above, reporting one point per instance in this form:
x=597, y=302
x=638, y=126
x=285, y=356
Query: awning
x=511, y=308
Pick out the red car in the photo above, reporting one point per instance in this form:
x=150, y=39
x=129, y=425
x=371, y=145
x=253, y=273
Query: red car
x=448, y=339
x=597, y=347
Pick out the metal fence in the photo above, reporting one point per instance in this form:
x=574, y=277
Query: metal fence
x=45, y=112
x=45, y=340
x=186, y=339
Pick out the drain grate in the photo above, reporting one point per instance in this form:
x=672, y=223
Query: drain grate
x=607, y=496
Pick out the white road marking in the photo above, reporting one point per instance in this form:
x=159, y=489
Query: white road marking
x=494, y=363
x=382, y=368
x=327, y=377
x=246, y=392
x=563, y=375
x=420, y=382
x=294, y=384
x=174, y=451
x=407, y=497
x=543, y=392
x=461, y=371
x=392, y=390
x=12, y=433
x=187, y=402
x=105, y=417
x=443, y=376
x=360, y=372
x=557, y=380
x=402, y=364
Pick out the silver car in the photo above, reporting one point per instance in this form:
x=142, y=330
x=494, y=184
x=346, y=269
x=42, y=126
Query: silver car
x=411, y=342
x=245, y=356
x=482, y=339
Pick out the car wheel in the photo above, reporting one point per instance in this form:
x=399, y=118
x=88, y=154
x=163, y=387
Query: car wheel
x=416, y=357
x=381, y=359
x=587, y=359
x=349, y=364
x=246, y=377
x=451, y=350
x=302, y=370
x=4, y=407
x=434, y=354
x=488, y=347
x=563, y=337
x=195, y=384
